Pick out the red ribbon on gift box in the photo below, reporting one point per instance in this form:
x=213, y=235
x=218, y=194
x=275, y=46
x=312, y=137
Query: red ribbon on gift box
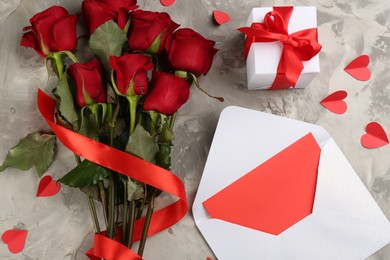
x=127, y=165
x=297, y=47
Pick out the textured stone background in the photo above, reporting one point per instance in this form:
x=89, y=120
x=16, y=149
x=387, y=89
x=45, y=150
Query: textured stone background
x=60, y=227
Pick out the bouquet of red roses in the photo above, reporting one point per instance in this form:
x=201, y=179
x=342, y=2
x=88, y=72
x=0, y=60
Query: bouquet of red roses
x=116, y=113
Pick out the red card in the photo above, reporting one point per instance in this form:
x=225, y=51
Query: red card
x=358, y=68
x=335, y=103
x=167, y=2
x=375, y=136
x=47, y=187
x=15, y=239
x=221, y=17
x=275, y=195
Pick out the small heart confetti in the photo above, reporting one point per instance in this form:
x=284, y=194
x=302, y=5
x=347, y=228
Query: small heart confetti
x=167, y=2
x=15, y=239
x=375, y=136
x=358, y=68
x=221, y=17
x=335, y=103
x=47, y=187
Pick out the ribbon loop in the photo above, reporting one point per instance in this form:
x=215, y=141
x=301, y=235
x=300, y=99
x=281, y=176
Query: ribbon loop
x=297, y=47
x=274, y=22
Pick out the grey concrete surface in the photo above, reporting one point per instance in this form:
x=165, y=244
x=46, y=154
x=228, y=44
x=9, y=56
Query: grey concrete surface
x=60, y=226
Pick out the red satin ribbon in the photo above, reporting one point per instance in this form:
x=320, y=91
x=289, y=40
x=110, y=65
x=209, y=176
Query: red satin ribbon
x=297, y=47
x=110, y=249
x=107, y=248
x=125, y=164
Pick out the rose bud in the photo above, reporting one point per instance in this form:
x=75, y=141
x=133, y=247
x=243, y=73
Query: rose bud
x=89, y=82
x=169, y=93
x=189, y=51
x=131, y=78
x=148, y=27
x=97, y=12
x=52, y=30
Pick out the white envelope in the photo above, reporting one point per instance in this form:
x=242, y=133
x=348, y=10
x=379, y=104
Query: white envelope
x=346, y=223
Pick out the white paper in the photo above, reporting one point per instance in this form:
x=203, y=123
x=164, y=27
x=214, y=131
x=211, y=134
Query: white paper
x=346, y=223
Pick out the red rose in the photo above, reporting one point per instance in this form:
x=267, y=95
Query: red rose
x=97, y=12
x=88, y=78
x=146, y=26
x=169, y=93
x=189, y=51
x=52, y=30
x=131, y=73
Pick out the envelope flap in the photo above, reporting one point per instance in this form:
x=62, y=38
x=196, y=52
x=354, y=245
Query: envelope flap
x=276, y=194
x=340, y=189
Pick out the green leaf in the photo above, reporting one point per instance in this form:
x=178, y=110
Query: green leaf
x=134, y=190
x=163, y=157
x=142, y=144
x=85, y=174
x=66, y=106
x=119, y=127
x=150, y=121
x=166, y=135
x=92, y=191
x=89, y=124
x=106, y=41
x=34, y=150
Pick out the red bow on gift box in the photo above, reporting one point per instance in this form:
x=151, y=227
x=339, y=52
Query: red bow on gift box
x=297, y=47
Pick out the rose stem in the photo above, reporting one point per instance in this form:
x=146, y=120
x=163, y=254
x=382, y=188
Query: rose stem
x=104, y=200
x=117, y=199
x=131, y=223
x=133, y=100
x=91, y=204
x=111, y=185
x=125, y=187
x=124, y=225
x=58, y=65
x=148, y=218
x=220, y=99
x=92, y=208
x=141, y=207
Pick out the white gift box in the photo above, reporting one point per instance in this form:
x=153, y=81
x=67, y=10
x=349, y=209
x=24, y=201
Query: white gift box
x=263, y=57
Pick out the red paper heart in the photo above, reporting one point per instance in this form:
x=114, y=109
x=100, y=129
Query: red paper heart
x=15, y=239
x=335, y=103
x=167, y=2
x=221, y=17
x=358, y=68
x=47, y=187
x=375, y=136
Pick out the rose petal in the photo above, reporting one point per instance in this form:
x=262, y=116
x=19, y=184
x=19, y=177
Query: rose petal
x=169, y=93
x=64, y=34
